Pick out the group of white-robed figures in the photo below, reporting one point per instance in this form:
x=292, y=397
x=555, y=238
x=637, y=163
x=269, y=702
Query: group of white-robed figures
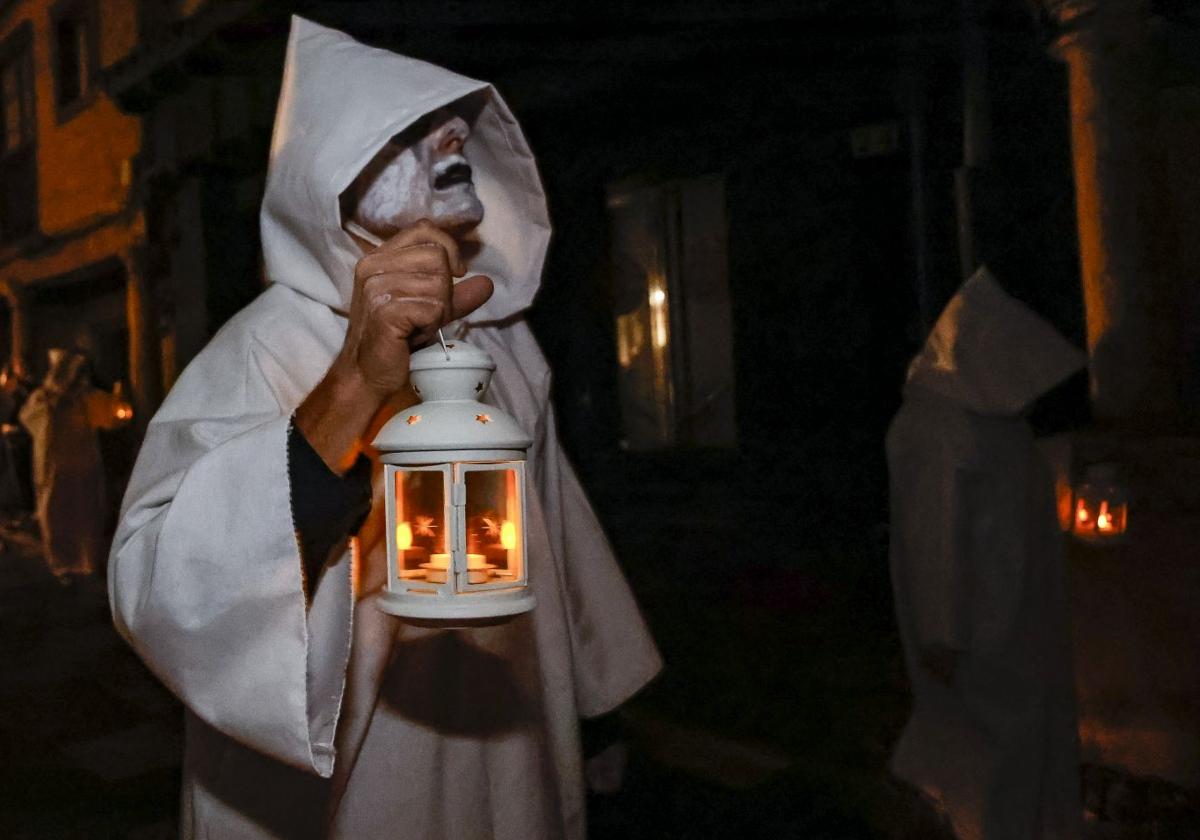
x=312, y=714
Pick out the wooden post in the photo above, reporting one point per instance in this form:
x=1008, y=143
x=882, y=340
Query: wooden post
x=1134, y=361
x=145, y=376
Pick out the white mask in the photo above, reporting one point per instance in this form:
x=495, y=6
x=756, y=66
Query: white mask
x=426, y=178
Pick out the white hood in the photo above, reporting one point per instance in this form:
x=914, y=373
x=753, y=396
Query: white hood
x=990, y=353
x=339, y=105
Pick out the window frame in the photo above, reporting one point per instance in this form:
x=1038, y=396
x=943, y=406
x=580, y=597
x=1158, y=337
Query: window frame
x=684, y=393
x=87, y=13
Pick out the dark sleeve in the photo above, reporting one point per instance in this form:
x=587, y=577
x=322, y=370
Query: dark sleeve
x=326, y=508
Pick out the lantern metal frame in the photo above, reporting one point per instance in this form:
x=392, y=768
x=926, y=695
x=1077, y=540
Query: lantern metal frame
x=435, y=436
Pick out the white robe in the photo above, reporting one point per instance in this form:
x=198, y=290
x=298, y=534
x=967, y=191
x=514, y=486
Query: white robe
x=68, y=475
x=978, y=566
x=337, y=720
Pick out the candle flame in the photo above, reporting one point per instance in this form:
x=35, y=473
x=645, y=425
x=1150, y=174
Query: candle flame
x=1082, y=514
x=1104, y=520
x=508, y=535
x=404, y=536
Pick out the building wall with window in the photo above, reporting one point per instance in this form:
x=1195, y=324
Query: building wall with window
x=86, y=146
x=72, y=231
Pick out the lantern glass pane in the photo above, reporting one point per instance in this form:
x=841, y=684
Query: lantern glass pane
x=421, y=552
x=494, y=531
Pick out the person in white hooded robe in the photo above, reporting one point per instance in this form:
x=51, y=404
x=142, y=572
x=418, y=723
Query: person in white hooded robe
x=309, y=713
x=979, y=575
x=62, y=416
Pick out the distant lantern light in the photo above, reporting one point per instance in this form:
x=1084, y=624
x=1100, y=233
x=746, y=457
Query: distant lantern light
x=454, y=493
x=1101, y=509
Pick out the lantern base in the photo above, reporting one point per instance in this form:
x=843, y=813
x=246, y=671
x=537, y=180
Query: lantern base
x=458, y=610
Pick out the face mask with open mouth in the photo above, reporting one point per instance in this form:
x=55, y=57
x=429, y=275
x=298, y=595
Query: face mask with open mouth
x=420, y=174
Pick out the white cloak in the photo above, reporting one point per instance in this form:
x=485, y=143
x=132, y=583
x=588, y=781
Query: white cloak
x=335, y=720
x=62, y=416
x=978, y=566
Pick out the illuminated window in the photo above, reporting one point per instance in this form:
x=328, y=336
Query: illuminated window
x=673, y=322
x=75, y=47
x=18, y=166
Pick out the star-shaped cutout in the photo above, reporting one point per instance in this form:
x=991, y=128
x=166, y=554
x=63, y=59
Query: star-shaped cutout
x=478, y=387
x=413, y=419
x=483, y=418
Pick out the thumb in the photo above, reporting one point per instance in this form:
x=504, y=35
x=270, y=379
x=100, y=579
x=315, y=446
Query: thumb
x=469, y=295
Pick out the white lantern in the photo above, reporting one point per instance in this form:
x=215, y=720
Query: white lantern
x=454, y=479
x=1101, y=511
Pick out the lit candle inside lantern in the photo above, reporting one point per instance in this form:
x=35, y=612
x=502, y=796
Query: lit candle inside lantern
x=439, y=564
x=1101, y=506
x=508, y=535
x=442, y=561
x=404, y=536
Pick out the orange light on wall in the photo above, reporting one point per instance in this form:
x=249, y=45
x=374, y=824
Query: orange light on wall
x=1101, y=509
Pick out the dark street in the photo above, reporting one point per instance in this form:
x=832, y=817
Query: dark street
x=803, y=755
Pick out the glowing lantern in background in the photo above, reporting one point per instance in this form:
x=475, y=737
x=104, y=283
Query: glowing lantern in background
x=1101, y=508
x=454, y=490
x=108, y=410
x=122, y=410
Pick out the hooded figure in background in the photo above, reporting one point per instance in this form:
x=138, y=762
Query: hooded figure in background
x=310, y=713
x=979, y=575
x=62, y=416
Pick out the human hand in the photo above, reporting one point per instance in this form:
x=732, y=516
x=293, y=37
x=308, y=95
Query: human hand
x=403, y=293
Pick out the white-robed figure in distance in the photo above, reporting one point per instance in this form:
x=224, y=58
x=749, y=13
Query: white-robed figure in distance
x=62, y=416
x=309, y=712
x=979, y=575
